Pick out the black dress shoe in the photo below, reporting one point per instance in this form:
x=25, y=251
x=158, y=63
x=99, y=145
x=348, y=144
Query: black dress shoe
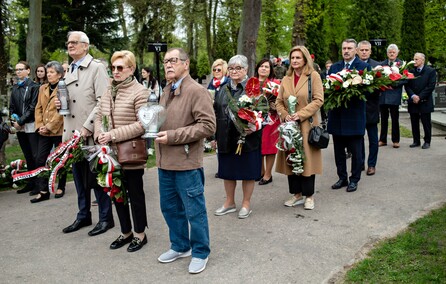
x=137, y=244
x=340, y=183
x=413, y=145
x=259, y=178
x=121, y=241
x=352, y=186
x=426, y=145
x=101, y=227
x=41, y=197
x=34, y=192
x=263, y=182
x=77, y=225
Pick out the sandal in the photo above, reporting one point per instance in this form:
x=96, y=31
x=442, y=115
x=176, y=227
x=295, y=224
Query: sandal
x=59, y=193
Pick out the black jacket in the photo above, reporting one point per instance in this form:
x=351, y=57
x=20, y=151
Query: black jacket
x=423, y=86
x=23, y=101
x=227, y=135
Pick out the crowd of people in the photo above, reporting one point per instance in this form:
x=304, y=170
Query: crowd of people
x=193, y=114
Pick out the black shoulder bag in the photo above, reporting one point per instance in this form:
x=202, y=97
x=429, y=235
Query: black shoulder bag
x=318, y=136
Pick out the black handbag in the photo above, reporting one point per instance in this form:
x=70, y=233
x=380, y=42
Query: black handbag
x=318, y=136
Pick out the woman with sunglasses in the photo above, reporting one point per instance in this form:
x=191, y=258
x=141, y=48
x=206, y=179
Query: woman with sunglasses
x=120, y=105
x=219, y=79
x=265, y=72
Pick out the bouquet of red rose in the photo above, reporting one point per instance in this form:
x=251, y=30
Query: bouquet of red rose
x=393, y=74
x=249, y=111
x=347, y=84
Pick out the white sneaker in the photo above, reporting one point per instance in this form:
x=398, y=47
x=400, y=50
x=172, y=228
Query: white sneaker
x=309, y=203
x=197, y=265
x=172, y=255
x=293, y=201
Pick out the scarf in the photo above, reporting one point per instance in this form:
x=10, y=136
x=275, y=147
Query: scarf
x=115, y=86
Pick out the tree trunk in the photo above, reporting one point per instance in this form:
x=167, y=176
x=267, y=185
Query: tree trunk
x=3, y=53
x=249, y=29
x=298, y=37
x=34, y=37
x=207, y=22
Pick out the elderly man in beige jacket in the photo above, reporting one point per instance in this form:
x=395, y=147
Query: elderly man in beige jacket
x=86, y=81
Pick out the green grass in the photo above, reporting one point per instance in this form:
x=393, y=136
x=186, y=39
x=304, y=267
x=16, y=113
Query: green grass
x=404, y=132
x=418, y=255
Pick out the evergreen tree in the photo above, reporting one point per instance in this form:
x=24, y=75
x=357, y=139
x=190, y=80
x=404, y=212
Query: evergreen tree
x=413, y=29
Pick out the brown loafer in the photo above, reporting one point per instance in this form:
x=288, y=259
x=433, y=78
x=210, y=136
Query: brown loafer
x=396, y=145
x=371, y=171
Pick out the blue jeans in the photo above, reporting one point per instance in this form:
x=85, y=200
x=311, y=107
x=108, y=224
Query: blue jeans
x=182, y=204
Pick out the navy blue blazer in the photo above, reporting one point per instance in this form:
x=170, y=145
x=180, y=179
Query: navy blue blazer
x=351, y=120
x=423, y=86
x=372, y=104
x=392, y=96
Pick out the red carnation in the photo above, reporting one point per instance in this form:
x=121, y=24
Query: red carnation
x=58, y=160
x=360, y=72
x=337, y=87
x=70, y=156
x=119, y=199
x=378, y=74
x=252, y=87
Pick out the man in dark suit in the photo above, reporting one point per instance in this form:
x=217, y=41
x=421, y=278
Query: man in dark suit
x=390, y=101
x=420, y=103
x=372, y=111
x=347, y=125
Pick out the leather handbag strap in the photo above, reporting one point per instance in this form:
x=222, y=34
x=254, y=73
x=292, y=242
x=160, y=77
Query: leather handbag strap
x=310, y=97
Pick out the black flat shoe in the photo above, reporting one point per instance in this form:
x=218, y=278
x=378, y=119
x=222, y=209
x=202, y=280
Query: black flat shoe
x=263, y=182
x=77, y=225
x=101, y=227
x=259, y=178
x=137, y=244
x=121, y=241
x=59, y=195
x=41, y=197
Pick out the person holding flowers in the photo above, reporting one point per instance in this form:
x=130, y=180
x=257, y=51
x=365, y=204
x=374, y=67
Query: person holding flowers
x=49, y=125
x=239, y=156
x=346, y=123
x=294, y=107
x=390, y=101
x=270, y=87
x=117, y=121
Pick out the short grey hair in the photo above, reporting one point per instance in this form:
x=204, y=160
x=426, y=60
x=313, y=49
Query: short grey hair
x=421, y=55
x=238, y=60
x=350, y=40
x=56, y=66
x=82, y=37
x=365, y=42
x=394, y=47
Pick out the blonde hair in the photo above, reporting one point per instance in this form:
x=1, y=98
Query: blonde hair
x=127, y=56
x=308, y=68
x=224, y=65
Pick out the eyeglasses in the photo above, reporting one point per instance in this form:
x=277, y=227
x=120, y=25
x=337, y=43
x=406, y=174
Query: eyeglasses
x=19, y=69
x=216, y=70
x=172, y=60
x=119, y=68
x=236, y=69
x=73, y=42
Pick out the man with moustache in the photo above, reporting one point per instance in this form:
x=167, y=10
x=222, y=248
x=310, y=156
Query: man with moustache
x=372, y=112
x=86, y=81
x=179, y=158
x=347, y=125
x=420, y=103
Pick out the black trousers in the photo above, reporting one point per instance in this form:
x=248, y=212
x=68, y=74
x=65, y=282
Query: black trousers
x=395, y=116
x=427, y=126
x=300, y=184
x=354, y=145
x=46, y=143
x=28, y=143
x=133, y=183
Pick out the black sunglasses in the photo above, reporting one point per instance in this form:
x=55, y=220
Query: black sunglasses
x=216, y=70
x=119, y=68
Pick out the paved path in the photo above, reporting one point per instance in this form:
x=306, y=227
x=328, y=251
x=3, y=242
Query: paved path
x=275, y=244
